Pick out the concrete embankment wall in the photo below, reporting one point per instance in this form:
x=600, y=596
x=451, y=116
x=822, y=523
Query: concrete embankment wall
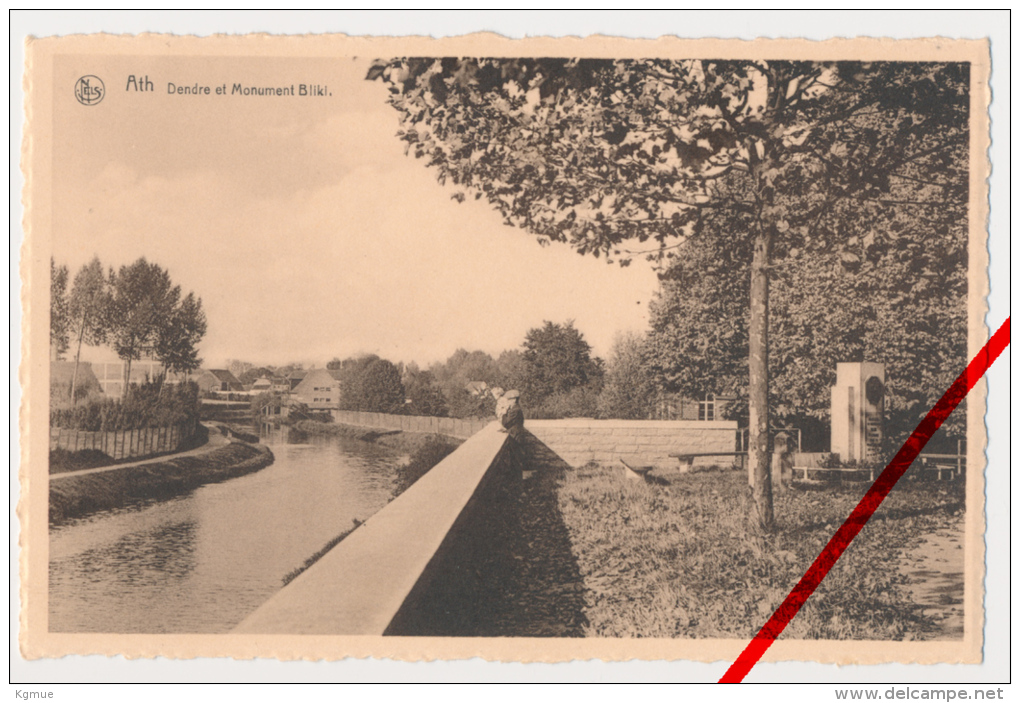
x=638, y=442
x=580, y=440
x=125, y=444
x=388, y=574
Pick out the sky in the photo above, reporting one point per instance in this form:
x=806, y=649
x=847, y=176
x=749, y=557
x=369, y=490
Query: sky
x=301, y=223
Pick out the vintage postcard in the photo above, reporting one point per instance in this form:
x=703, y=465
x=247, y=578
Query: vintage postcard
x=527, y=350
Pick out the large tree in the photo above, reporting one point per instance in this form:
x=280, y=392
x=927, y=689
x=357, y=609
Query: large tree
x=558, y=362
x=371, y=384
x=89, y=309
x=792, y=157
x=177, y=339
x=143, y=300
x=629, y=391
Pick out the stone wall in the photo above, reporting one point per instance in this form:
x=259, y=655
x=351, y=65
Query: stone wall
x=638, y=442
x=580, y=440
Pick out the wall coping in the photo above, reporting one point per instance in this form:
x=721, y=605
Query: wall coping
x=587, y=423
x=359, y=585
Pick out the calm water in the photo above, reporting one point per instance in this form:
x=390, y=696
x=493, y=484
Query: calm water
x=203, y=561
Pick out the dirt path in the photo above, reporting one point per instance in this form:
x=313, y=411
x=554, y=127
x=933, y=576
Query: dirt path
x=216, y=440
x=934, y=568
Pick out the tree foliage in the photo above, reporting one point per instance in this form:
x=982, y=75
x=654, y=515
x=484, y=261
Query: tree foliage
x=423, y=393
x=371, y=384
x=597, y=152
x=136, y=310
x=88, y=311
x=557, y=360
x=143, y=299
x=177, y=339
x=629, y=392
x=60, y=323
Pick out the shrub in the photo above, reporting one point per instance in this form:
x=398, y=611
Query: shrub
x=432, y=451
x=150, y=404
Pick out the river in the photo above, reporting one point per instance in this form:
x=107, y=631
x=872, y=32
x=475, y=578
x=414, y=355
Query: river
x=201, y=562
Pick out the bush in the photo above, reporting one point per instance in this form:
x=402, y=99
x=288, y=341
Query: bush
x=432, y=451
x=151, y=404
x=581, y=401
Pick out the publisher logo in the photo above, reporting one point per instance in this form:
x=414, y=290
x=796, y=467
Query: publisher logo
x=89, y=90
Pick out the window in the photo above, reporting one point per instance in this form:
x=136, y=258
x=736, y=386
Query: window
x=706, y=408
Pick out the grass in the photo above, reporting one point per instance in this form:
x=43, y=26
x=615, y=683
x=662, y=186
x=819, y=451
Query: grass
x=675, y=557
x=321, y=553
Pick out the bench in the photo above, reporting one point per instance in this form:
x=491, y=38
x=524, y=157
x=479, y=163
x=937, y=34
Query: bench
x=689, y=458
x=839, y=469
x=933, y=464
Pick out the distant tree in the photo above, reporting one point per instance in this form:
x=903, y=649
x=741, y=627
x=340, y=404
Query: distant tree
x=453, y=376
x=334, y=364
x=795, y=157
x=178, y=337
x=143, y=300
x=463, y=367
x=557, y=360
x=629, y=392
x=238, y=367
x=253, y=374
x=371, y=384
x=89, y=311
x=424, y=393
x=59, y=317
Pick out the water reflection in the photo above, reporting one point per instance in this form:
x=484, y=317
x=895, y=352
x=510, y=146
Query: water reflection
x=203, y=561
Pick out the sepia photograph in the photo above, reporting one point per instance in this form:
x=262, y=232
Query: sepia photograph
x=528, y=350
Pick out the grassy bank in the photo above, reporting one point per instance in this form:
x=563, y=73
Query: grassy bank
x=75, y=496
x=675, y=557
x=407, y=442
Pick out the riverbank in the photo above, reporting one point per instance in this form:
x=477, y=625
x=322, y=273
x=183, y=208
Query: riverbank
x=75, y=496
x=425, y=451
x=407, y=442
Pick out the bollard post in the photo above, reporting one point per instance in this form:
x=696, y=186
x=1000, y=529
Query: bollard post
x=782, y=465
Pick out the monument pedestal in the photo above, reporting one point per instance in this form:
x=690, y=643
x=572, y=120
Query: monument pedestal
x=857, y=407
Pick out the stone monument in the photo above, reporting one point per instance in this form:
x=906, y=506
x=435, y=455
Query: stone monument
x=858, y=406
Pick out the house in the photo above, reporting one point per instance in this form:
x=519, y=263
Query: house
x=281, y=384
x=294, y=378
x=319, y=389
x=262, y=385
x=218, y=380
x=707, y=409
x=110, y=374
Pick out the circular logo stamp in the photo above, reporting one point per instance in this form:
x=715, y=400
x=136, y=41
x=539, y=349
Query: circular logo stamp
x=89, y=90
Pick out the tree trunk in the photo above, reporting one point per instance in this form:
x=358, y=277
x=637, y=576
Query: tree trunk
x=127, y=378
x=77, y=357
x=759, y=475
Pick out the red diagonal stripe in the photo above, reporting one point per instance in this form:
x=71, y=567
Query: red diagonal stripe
x=868, y=505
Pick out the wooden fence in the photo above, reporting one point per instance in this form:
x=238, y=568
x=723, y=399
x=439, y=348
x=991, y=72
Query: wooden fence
x=124, y=444
x=450, y=426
